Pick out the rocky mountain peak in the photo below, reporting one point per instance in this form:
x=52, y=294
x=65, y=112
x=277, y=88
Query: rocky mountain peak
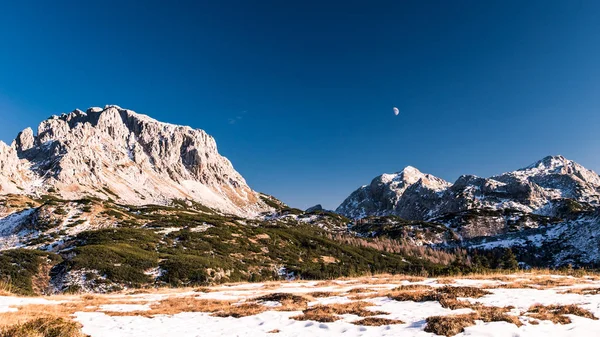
x=113, y=152
x=534, y=189
x=391, y=194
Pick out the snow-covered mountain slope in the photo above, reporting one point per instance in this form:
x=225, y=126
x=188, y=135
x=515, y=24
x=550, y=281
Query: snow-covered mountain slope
x=573, y=242
x=119, y=154
x=540, y=188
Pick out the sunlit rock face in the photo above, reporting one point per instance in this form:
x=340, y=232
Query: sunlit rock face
x=119, y=154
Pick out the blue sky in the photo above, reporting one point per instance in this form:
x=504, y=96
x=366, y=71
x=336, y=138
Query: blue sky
x=299, y=95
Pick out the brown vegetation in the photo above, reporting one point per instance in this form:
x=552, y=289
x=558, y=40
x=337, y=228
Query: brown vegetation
x=413, y=287
x=437, y=294
x=449, y=325
x=329, y=313
x=242, y=310
x=556, y=313
x=320, y=294
x=582, y=291
x=43, y=327
x=402, y=247
x=289, y=302
x=455, y=324
x=376, y=321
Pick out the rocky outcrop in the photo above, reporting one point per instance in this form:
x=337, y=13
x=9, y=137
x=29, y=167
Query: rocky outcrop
x=119, y=154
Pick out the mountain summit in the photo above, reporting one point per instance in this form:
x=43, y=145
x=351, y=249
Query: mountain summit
x=117, y=153
x=537, y=188
x=407, y=193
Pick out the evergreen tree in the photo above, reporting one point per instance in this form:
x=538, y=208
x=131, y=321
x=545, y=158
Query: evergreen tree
x=509, y=260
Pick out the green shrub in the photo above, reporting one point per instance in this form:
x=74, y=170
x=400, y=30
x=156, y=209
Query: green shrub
x=18, y=267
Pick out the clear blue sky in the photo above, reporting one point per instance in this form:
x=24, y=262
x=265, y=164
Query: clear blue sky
x=299, y=94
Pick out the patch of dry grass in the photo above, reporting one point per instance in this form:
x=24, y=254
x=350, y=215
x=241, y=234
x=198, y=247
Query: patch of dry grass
x=497, y=314
x=376, y=321
x=321, y=294
x=202, y=290
x=289, y=302
x=43, y=327
x=272, y=285
x=449, y=325
x=413, y=287
x=557, y=313
x=415, y=296
x=360, y=290
x=242, y=310
x=582, y=291
x=455, y=324
x=317, y=317
x=329, y=313
x=445, y=280
x=327, y=283
x=447, y=293
x=471, y=292
x=176, y=305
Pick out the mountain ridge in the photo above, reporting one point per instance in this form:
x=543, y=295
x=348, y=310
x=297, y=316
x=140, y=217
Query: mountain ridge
x=528, y=189
x=113, y=152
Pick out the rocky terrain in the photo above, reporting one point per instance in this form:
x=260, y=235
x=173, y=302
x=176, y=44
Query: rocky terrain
x=115, y=153
x=541, y=188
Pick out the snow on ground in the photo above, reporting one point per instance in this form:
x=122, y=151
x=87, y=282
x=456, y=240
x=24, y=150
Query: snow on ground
x=10, y=303
x=126, y=323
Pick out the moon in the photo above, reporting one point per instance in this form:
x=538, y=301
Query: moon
x=396, y=111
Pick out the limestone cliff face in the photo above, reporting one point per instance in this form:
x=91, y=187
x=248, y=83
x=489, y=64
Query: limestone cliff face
x=116, y=153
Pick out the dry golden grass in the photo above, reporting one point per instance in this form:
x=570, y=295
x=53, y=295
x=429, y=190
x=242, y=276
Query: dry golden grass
x=274, y=331
x=242, y=310
x=446, y=293
x=360, y=290
x=376, y=321
x=511, y=285
x=446, y=280
x=327, y=283
x=582, y=291
x=413, y=287
x=321, y=294
x=176, y=305
x=415, y=296
x=202, y=290
x=289, y=302
x=471, y=292
x=453, y=303
x=497, y=314
x=329, y=313
x=272, y=285
x=449, y=325
x=556, y=313
x=5, y=289
x=44, y=327
x=455, y=324
x=317, y=317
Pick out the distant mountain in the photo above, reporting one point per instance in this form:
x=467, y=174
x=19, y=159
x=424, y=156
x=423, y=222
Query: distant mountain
x=409, y=194
x=542, y=188
x=115, y=153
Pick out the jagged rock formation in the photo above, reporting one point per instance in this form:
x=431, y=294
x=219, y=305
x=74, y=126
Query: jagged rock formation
x=119, y=154
x=409, y=194
x=541, y=188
